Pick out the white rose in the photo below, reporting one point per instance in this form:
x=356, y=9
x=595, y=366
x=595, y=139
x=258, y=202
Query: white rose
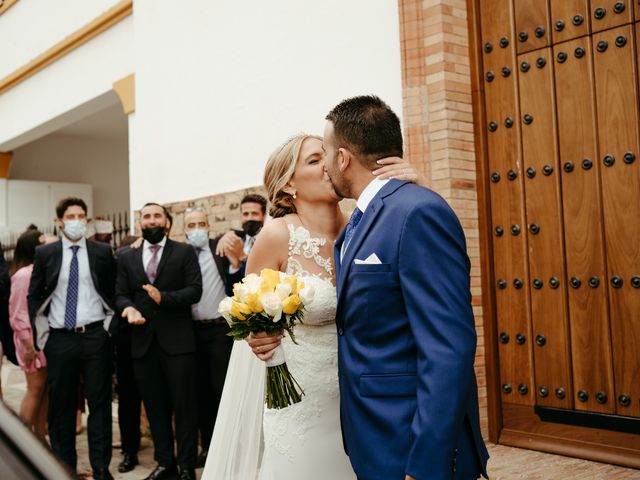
x=224, y=308
x=307, y=294
x=241, y=291
x=283, y=290
x=272, y=305
x=253, y=282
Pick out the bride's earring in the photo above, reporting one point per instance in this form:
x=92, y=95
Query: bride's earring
x=294, y=195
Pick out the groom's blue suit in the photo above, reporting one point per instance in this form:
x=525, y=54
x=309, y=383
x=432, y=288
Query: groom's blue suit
x=407, y=341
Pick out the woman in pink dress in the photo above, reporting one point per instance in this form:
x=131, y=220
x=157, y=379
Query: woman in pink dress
x=33, y=409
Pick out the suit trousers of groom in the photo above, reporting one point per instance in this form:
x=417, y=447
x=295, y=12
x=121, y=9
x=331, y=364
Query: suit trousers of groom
x=70, y=355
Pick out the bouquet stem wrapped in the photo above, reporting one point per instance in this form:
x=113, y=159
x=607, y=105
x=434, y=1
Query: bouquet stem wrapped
x=271, y=302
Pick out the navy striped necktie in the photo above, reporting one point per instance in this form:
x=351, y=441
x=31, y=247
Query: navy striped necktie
x=71, y=307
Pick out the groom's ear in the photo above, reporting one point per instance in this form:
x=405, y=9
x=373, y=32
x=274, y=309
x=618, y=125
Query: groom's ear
x=344, y=159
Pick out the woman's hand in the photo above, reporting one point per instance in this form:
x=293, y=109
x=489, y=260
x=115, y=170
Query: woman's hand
x=29, y=352
x=264, y=345
x=399, y=168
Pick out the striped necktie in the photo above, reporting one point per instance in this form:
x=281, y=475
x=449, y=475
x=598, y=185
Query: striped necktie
x=71, y=307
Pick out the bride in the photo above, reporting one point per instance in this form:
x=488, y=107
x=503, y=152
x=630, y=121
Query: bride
x=304, y=440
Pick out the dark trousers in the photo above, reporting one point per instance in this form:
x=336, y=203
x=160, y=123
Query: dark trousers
x=129, y=400
x=168, y=385
x=70, y=355
x=212, y=359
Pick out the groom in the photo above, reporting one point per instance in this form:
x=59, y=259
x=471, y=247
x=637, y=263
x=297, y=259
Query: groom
x=406, y=335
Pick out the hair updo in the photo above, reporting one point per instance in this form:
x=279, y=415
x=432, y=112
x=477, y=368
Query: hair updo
x=278, y=172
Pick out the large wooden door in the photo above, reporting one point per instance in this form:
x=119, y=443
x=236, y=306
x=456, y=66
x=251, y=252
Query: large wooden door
x=558, y=86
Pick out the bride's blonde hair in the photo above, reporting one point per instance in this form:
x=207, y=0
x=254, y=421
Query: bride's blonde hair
x=278, y=172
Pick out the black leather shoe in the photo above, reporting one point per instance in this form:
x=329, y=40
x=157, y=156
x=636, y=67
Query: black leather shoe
x=163, y=473
x=202, y=459
x=128, y=463
x=186, y=474
x=102, y=475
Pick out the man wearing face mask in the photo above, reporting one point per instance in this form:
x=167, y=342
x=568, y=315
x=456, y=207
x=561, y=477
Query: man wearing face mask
x=237, y=244
x=155, y=288
x=69, y=298
x=213, y=346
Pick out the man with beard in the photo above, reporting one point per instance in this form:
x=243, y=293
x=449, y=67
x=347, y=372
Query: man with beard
x=213, y=345
x=238, y=243
x=155, y=288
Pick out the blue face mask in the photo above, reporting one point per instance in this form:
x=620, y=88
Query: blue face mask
x=75, y=229
x=198, y=238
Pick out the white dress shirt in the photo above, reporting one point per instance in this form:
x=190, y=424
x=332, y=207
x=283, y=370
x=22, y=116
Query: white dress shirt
x=213, y=291
x=90, y=308
x=147, y=253
x=369, y=192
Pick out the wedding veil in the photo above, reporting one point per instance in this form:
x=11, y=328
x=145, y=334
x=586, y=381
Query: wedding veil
x=236, y=445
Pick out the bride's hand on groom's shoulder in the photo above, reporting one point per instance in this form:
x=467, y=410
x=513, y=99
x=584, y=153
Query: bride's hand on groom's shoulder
x=399, y=168
x=263, y=345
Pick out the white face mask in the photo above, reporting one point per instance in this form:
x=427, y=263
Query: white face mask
x=75, y=229
x=198, y=237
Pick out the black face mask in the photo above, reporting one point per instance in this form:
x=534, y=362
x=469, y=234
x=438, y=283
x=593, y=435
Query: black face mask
x=252, y=227
x=153, y=235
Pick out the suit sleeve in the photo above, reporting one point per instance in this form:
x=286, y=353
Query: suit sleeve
x=192, y=290
x=110, y=275
x=37, y=285
x=434, y=277
x=123, y=296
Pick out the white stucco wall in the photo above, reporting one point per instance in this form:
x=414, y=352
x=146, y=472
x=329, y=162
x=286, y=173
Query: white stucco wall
x=77, y=85
x=220, y=85
x=101, y=163
x=32, y=26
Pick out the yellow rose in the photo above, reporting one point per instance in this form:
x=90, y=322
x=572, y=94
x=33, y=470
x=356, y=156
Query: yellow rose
x=253, y=302
x=291, y=304
x=270, y=279
x=236, y=287
x=296, y=286
x=239, y=310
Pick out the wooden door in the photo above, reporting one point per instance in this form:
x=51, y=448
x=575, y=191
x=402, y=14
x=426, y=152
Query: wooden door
x=559, y=91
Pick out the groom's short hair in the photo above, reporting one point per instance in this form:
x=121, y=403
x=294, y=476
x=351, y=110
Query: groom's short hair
x=368, y=127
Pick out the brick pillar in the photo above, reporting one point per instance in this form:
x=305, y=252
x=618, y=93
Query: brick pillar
x=438, y=125
x=5, y=163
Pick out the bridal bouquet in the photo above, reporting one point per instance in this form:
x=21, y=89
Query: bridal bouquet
x=270, y=302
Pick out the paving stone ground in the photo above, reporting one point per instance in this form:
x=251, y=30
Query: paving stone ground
x=506, y=463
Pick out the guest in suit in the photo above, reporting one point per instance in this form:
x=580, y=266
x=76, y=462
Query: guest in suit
x=237, y=243
x=70, y=297
x=213, y=345
x=409, y=406
x=155, y=288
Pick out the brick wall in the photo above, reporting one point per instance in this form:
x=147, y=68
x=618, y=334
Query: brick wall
x=438, y=125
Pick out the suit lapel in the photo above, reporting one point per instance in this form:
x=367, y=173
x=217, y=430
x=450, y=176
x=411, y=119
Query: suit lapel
x=91, y=254
x=139, y=263
x=166, y=251
x=220, y=263
x=366, y=223
x=368, y=219
x=56, y=264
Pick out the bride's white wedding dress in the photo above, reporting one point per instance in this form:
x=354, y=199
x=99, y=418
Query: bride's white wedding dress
x=303, y=440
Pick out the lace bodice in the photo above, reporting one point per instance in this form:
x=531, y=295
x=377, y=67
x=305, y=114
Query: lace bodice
x=305, y=248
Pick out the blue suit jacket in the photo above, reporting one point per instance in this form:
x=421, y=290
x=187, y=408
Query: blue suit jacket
x=407, y=342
